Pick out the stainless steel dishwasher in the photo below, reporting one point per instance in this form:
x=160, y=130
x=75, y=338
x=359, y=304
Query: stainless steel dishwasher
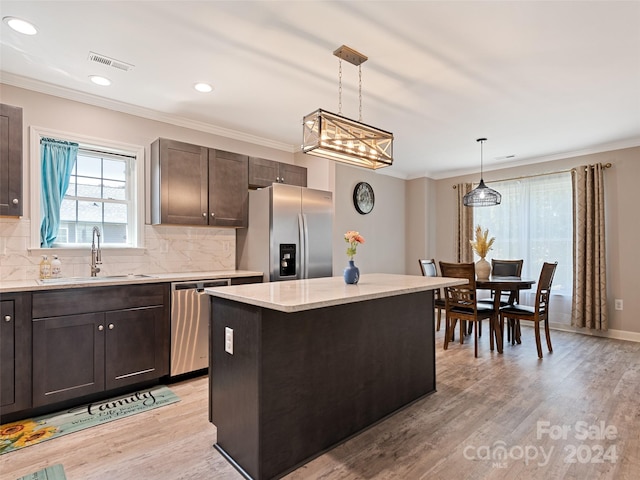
x=190, y=315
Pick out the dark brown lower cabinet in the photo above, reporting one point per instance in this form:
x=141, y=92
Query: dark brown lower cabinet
x=15, y=352
x=82, y=353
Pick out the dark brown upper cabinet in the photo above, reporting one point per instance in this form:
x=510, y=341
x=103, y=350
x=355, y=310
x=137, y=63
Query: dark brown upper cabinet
x=263, y=172
x=10, y=160
x=195, y=185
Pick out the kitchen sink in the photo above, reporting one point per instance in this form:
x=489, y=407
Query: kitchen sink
x=104, y=278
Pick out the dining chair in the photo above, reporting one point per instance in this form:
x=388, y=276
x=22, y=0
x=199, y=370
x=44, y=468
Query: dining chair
x=505, y=268
x=536, y=313
x=429, y=269
x=461, y=304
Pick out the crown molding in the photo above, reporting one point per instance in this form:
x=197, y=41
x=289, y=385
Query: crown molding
x=604, y=147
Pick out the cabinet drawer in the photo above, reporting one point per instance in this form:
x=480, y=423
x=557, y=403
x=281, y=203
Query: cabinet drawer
x=54, y=303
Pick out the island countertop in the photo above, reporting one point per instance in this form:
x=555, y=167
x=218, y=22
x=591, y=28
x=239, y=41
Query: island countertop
x=300, y=295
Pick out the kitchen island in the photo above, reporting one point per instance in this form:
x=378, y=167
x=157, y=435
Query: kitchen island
x=297, y=367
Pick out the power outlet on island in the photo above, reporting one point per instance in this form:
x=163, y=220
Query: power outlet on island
x=228, y=340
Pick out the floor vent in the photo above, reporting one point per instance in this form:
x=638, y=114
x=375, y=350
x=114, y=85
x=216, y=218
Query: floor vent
x=109, y=62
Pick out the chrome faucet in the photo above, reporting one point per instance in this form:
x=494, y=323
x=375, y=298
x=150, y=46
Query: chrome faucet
x=96, y=254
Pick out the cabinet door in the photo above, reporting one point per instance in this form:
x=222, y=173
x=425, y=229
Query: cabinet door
x=136, y=346
x=68, y=357
x=15, y=352
x=10, y=160
x=7, y=354
x=179, y=183
x=292, y=175
x=262, y=172
x=228, y=189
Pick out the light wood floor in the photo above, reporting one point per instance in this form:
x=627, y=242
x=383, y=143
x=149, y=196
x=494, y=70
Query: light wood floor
x=481, y=405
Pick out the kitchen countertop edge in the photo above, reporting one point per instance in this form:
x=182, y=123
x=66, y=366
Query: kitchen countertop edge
x=10, y=286
x=299, y=295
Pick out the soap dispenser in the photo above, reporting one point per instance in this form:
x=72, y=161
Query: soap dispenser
x=56, y=267
x=45, y=268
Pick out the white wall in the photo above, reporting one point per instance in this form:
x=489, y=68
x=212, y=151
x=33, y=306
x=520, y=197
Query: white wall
x=383, y=229
x=421, y=229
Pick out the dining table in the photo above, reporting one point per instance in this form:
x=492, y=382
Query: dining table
x=499, y=285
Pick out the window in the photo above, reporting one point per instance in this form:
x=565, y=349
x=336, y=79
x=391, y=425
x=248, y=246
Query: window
x=105, y=190
x=534, y=222
x=99, y=194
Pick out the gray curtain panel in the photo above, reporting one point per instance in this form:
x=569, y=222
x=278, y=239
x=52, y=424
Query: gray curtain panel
x=589, y=304
x=464, y=252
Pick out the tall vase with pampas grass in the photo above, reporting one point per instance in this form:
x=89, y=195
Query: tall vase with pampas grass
x=481, y=246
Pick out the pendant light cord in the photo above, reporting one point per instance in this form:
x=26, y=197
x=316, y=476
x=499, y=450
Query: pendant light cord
x=481, y=160
x=360, y=91
x=339, y=86
x=340, y=89
x=481, y=140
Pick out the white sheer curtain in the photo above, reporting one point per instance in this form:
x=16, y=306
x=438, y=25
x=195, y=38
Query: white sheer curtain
x=534, y=222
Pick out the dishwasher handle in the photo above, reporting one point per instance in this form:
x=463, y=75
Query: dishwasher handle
x=200, y=286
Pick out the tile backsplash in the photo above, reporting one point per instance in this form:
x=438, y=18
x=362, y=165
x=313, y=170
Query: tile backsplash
x=167, y=249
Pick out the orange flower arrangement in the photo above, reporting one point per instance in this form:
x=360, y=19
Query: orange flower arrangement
x=353, y=238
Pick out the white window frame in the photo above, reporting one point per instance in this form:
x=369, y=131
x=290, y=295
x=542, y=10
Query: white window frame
x=137, y=213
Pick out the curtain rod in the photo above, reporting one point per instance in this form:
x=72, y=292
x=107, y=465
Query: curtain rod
x=606, y=165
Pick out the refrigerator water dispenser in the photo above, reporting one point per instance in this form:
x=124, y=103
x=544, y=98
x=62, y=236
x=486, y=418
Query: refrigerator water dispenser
x=287, y=259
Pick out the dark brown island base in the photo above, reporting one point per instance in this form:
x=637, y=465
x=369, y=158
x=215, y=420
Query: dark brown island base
x=298, y=367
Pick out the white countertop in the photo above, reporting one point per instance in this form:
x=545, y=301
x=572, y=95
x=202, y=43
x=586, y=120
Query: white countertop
x=298, y=295
x=34, y=285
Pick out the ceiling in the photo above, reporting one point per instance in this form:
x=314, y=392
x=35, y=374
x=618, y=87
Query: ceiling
x=541, y=79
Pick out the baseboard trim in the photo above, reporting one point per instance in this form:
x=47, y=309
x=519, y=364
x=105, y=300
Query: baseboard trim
x=614, y=334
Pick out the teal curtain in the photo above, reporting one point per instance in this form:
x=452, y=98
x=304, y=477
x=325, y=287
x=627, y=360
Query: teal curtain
x=58, y=159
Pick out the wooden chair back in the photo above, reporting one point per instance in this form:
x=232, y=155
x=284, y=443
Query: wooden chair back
x=544, y=288
x=506, y=268
x=429, y=269
x=460, y=296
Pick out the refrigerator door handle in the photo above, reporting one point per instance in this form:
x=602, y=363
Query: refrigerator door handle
x=304, y=242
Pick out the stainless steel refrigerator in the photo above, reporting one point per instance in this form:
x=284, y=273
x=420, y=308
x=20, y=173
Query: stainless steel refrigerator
x=289, y=236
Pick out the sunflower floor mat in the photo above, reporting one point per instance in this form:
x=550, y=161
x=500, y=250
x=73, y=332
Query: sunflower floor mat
x=16, y=435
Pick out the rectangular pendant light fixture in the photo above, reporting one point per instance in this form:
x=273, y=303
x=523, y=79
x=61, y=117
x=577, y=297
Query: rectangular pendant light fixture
x=339, y=138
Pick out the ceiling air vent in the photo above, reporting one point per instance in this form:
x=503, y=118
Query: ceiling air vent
x=109, y=62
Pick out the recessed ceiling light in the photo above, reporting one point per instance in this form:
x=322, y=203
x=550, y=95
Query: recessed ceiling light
x=20, y=25
x=98, y=80
x=203, y=87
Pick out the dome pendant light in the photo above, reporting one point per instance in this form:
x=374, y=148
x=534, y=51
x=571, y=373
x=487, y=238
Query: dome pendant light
x=482, y=196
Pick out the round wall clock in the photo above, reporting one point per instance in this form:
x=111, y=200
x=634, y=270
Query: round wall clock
x=363, y=198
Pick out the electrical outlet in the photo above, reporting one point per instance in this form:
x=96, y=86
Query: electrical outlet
x=228, y=340
x=618, y=304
